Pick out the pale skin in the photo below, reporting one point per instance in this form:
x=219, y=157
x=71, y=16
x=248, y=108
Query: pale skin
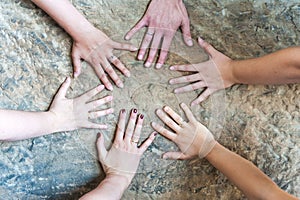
x=254, y=184
x=90, y=44
x=163, y=18
x=220, y=71
x=120, y=163
x=63, y=115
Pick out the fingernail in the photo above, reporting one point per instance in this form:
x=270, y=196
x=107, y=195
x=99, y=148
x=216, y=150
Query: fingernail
x=120, y=85
x=134, y=49
x=123, y=111
x=164, y=157
x=142, y=116
x=171, y=81
x=158, y=65
x=190, y=42
x=100, y=87
x=155, y=134
x=127, y=74
x=140, y=57
x=110, y=98
x=135, y=110
x=172, y=68
x=110, y=87
x=200, y=40
x=76, y=74
x=175, y=91
x=147, y=64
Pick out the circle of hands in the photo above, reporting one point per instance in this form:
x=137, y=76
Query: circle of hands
x=96, y=48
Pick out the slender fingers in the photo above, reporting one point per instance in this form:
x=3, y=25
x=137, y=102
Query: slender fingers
x=142, y=23
x=137, y=131
x=120, y=126
x=92, y=125
x=186, y=68
x=113, y=75
x=90, y=94
x=103, y=77
x=96, y=103
x=167, y=40
x=96, y=114
x=188, y=112
x=173, y=114
x=124, y=46
x=116, y=62
x=147, y=143
x=202, y=97
x=146, y=42
x=154, y=48
x=185, y=79
x=167, y=120
x=190, y=87
x=166, y=133
x=130, y=125
x=175, y=156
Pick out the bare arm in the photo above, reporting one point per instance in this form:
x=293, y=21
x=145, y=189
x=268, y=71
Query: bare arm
x=246, y=176
x=63, y=115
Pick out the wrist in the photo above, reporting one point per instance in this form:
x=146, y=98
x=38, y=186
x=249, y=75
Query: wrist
x=212, y=154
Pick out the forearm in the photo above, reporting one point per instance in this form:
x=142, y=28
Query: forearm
x=280, y=67
x=111, y=188
x=67, y=16
x=18, y=125
x=247, y=177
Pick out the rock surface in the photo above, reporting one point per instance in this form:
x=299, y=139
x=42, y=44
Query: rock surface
x=261, y=123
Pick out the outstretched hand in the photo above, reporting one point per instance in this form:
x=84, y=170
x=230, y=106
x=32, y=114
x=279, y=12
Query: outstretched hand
x=213, y=75
x=192, y=138
x=163, y=18
x=96, y=48
x=71, y=114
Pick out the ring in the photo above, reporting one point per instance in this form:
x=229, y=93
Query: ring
x=132, y=141
x=150, y=33
x=111, y=57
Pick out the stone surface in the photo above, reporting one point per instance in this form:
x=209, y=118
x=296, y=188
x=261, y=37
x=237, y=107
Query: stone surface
x=261, y=123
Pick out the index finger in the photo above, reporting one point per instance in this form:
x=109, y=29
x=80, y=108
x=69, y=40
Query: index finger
x=90, y=94
x=142, y=23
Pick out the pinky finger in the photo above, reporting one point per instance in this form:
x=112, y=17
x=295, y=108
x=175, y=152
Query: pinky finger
x=147, y=143
x=96, y=114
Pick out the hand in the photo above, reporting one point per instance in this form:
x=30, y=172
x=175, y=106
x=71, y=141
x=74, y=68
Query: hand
x=191, y=137
x=124, y=156
x=71, y=114
x=163, y=17
x=214, y=74
x=97, y=49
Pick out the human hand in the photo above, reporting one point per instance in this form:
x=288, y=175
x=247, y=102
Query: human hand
x=214, y=74
x=124, y=156
x=163, y=18
x=71, y=114
x=97, y=49
x=191, y=137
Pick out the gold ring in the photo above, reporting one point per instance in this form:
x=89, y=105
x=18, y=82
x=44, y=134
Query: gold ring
x=132, y=141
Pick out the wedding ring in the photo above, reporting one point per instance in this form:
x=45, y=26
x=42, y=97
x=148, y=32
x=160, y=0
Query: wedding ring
x=111, y=58
x=150, y=33
x=132, y=141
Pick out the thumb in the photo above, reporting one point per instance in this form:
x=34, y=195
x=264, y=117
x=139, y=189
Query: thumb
x=175, y=156
x=210, y=50
x=102, y=152
x=76, y=63
x=64, y=88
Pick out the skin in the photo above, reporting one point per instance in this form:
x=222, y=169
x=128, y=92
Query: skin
x=124, y=152
x=163, y=18
x=220, y=71
x=90, y=44
x=254, y=184
x=63, y=115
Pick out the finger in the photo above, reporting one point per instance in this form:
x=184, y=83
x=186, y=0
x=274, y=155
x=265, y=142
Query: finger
x=164, y=50
x=153, y=50
x=64, y=88
x=90, y=94
x=94, y=104
x=173, y=114
x=190, y=87
x=175, y=156
x=142, y=23
x=120, y=126
x=130, y=125
x=185, y=68
x=92, y=125
x=76, y=63
x=167, y=120
x=103, y=77
x=185, y=27
x=96, y=114
x=147, y=143
x=188, y=112
x=138, y=128
x=185, y=79
x=102, y=152
x=116, y=62
x=112, y=74
x=124, y=46
x=209, y=49
x=202, y=97
x=161, y=130
x=146, y=42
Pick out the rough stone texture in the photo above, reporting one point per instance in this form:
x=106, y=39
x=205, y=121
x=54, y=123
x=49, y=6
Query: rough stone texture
x=261, y=123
